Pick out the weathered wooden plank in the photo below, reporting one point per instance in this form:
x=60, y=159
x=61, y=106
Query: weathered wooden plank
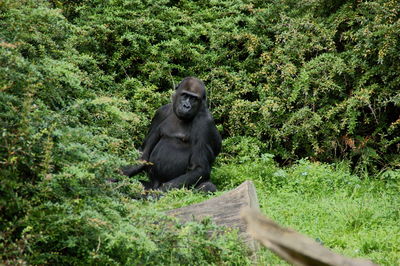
x=224, y=210
x=291, y=245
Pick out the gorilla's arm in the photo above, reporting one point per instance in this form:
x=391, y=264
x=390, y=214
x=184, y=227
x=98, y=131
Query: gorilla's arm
x=132, y=170
x=153, y=136
x=206, y=146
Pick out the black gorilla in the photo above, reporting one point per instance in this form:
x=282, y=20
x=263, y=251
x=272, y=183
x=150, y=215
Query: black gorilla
x=182, y=142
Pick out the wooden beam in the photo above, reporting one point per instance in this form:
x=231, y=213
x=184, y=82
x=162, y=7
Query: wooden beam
x=292, y=246
x=224, y=210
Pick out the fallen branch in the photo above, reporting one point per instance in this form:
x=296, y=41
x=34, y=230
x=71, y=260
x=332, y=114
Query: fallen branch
x=293, y=247
x=224, y=210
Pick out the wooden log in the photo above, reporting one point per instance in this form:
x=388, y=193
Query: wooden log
x=224, y=210
x=292, y=246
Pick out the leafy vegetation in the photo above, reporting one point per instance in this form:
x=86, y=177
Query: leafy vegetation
x=351, y=215
x=80, y=81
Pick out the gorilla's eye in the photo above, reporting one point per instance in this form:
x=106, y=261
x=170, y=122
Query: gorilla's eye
x=189, y=96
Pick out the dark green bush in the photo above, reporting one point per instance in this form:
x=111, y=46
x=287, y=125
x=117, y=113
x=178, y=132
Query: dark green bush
x=80, y=81
x=306, y=78
x=65, y=130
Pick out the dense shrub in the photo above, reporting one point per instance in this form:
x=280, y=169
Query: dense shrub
x=63, y=135
x=306, y=78
x=80, y=80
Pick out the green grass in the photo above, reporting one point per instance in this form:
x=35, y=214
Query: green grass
x=364, y=225
x=353, y=216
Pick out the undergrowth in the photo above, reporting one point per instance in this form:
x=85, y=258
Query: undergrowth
x=356, y=216
x=80, y=81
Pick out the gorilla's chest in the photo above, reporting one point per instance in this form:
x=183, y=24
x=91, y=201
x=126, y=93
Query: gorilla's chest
x=171, y=154
x=175, y=131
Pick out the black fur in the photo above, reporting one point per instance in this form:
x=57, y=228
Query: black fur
x=182, y=142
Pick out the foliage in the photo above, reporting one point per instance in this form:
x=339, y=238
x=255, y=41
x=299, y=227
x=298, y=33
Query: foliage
x=80, y=81
x=63, y=136
x=353, y=216
x=308, y=79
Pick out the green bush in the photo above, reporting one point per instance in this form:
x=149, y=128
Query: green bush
x=80, y=81
x=310, y=79
x=64, y=133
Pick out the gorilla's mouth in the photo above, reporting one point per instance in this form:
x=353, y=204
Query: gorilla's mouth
x=184, y=113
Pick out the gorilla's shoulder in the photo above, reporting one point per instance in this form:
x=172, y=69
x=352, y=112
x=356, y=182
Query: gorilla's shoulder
x=205, y=120
x=164, y=110
x=208, y=118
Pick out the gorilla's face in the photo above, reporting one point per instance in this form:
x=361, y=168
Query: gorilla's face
x=188, y=99
x=187, y=105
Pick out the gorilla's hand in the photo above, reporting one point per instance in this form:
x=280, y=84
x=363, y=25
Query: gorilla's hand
x=132, y=169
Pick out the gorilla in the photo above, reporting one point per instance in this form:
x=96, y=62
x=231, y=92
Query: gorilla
x=182, y=142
